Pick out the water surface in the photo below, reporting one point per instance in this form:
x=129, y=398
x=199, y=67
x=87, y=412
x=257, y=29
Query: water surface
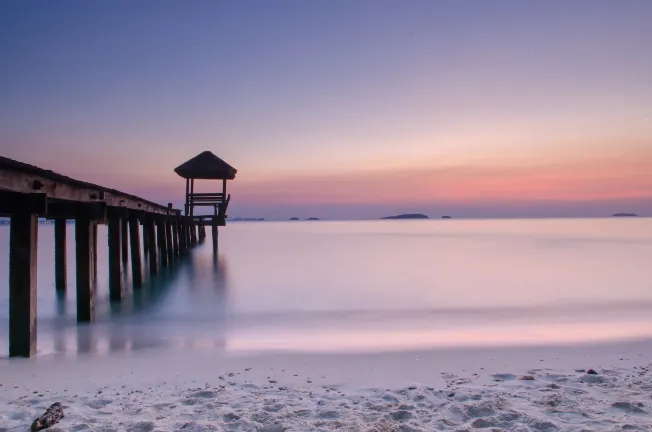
x=366, y=286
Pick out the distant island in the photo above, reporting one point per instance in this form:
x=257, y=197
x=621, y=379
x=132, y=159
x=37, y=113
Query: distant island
x=624, y=215
x=446, y=217
x=407, y=216
x=313, y=219
x=294, y=219
x=243, y=219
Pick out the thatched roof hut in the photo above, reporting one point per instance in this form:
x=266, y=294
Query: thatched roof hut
x=206, y=166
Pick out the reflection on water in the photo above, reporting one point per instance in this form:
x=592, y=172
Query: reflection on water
x=381, y=285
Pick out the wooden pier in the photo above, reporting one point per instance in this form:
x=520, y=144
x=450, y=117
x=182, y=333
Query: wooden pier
x=28, y=193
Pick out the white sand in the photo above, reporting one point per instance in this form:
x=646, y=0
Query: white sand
x=457, y=390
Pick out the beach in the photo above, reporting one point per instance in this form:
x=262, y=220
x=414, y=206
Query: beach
x=499, y=389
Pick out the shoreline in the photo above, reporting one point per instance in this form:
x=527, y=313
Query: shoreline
x=444, y=389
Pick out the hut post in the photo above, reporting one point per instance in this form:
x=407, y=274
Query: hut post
x=190, y=198
x=134, y=238
x=23, y=241
x=60, y=265
x=187, y=206
x=214, y=234
x=116, y=248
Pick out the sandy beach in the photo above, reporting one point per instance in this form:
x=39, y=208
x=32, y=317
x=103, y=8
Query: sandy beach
x=202, y=389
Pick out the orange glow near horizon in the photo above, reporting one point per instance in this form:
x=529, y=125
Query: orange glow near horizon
x=591, y=178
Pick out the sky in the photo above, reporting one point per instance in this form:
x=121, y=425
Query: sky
x=341, y=109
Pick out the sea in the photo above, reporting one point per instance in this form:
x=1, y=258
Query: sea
x=362, y=286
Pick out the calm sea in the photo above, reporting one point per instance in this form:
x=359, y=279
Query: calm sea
x=366, y=286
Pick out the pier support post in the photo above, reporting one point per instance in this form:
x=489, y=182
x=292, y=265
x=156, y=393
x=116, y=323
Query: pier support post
x=85, y=236
x=175, y=237
x=134, y=238
x=23, y=239
x=162, y=243
x=125, y=240
x=193, y=233
x=168, y=239
x=214, y=234
x=150, y=229
x=94, y=253
x=145, y=241
x=182, y=236
x=116, y=237
x=60, y=267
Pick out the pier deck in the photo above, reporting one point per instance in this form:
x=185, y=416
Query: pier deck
x=28, y=193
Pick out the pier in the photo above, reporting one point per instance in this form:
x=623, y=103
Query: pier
x=28, y=193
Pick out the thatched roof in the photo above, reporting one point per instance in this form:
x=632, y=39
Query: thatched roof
x=206, y=166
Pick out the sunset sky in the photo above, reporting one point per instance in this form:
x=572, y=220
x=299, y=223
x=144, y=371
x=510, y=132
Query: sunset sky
x=341, y=109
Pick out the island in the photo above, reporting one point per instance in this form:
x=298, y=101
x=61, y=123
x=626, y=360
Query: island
x=245, y=219
x=294, y=219
x=313, y=219
x=446, y=217
x=624, y=215
x=407, y=216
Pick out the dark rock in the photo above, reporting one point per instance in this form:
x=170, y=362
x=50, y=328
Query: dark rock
x=526, y=378
x=51, y=416
x=591, y=372
x=401, y=415
x=294, y=219
x=313, y=219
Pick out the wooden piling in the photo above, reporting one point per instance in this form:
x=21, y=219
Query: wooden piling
x=125, y=240
x=175, y=236
x=168, y=240
x=85, y=235
x=152, y=250
x=214, y=234
x=116, y=237
x=136, y=266
x=193, y=233
x=60, y=267
x=23, y=240
x=94, y=233
x=162, y=243
x=145, y=241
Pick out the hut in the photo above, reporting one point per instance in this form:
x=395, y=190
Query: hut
x=206, y=166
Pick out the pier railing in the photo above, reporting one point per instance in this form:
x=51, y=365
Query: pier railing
x=28, y=193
